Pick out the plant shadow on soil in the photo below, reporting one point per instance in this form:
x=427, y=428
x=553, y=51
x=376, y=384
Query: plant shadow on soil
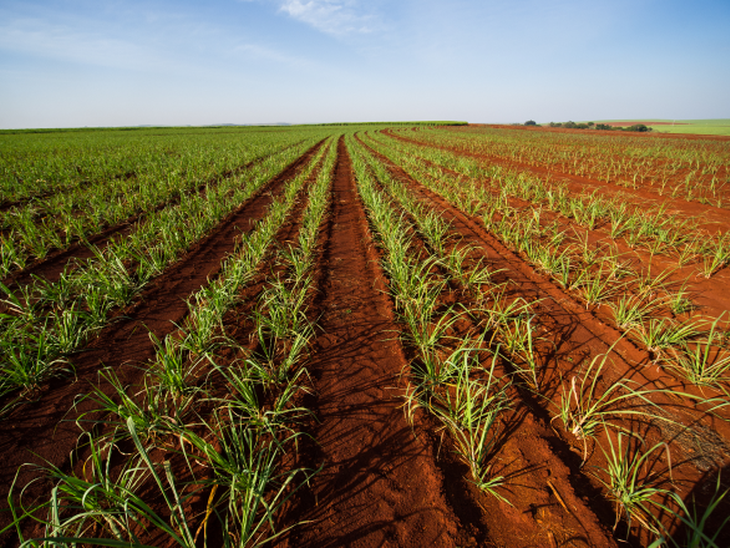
x=390, y=451
x=712, y=485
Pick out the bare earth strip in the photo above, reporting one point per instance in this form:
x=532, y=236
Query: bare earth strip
x=549, y=505
x=380, y=486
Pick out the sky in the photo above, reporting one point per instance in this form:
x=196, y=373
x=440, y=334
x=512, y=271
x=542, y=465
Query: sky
x=76, y=63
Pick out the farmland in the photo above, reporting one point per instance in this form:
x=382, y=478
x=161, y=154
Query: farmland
x=375, y=335
x=720, y=126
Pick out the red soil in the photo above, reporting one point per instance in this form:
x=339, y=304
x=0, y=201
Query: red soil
x=43, y=431
x=385, y=482
x=380, y=485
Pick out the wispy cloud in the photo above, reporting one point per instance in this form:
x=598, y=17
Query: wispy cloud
x=334, y=17
x=58, y=41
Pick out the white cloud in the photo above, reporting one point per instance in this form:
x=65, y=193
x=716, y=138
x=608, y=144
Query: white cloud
x=336, y=17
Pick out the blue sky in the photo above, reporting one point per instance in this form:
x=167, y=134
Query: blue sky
x=72, y=63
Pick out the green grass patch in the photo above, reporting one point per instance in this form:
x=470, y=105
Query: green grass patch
x=718, y=126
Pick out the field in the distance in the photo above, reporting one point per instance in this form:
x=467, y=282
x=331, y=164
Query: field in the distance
x=376, y=335
x=719, y=126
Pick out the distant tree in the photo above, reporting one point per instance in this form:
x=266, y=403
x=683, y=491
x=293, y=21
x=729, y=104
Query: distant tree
x=556, y=124
x=603, y=126
x=530, y=123
x=570, y=124
x=638, y=127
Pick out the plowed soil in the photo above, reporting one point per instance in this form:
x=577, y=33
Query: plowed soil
x=43, y=431
x=383, y=481
x=380, y=485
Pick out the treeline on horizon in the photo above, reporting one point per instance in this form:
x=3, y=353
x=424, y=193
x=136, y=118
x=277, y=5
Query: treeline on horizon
x=591, y=125
x=230, y=126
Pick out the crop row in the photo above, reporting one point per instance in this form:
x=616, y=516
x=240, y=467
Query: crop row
x=204, y=439
x=690, y=169
x=47, y=321
x=461, y=378
x=471, y=408
x=32, y=229
x=651, y=310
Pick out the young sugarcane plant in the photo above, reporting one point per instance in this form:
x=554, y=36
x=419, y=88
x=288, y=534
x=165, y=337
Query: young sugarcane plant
x=518, y=338
x=27, y=363
x=648, y=285
x=703, y=362
x=595, y=287
x=698, y=533
x=716, y=256
x=583, y=408
x=247, y=488
x=105, y=508
x=435, y=229
x=152, y=410
x=627, y=485
x=678, y=301
x=469, y=410
x=496, y=310
x=661, y=334
x=427, y=337
x=630, y=310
